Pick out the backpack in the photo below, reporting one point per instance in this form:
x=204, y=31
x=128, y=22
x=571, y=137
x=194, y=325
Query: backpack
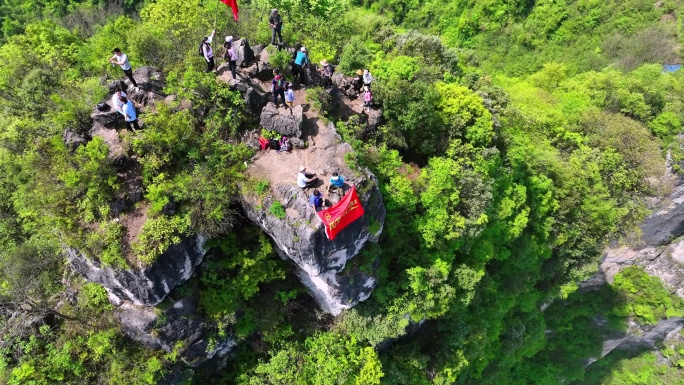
x=280, y=83
x=263, y=143
x=274, y=144
x=285, y=144
x=201, y=51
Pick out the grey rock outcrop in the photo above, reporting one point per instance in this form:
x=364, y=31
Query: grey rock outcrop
x=344, y=85
x=300, y=236
x=254, y=98
x=284, y=121
x=73, y=139
x=244, y=53
x=146, y=286
x=177, y=327
x=311, y=76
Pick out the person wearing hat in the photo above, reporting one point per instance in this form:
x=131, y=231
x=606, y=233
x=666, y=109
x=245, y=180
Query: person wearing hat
x=336, y=182
x=357, y=82
x=276, y=22
x=316, y=200
x=327, y=71
x=305, y=180
x=229, y=55
x=301, y=60
x=289, y=95
x=207, y=52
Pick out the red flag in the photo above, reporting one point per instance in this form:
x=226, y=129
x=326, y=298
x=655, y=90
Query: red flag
x=233, y=5
x=342, y=214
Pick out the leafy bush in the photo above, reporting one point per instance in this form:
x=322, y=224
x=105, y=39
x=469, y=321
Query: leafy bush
x=158, y=234
x=277, y=210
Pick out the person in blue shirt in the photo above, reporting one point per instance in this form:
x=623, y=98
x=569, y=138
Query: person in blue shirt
x=301, y=60
x=316, y=200
x=129, y=113
x=336, y=182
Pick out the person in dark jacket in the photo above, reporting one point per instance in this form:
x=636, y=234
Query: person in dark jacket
x=276, y=22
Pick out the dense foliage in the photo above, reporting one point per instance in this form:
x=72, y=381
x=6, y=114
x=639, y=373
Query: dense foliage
x=519, y=138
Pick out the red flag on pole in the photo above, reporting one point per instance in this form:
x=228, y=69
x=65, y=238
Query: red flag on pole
x=342, y=214
x=233, y=5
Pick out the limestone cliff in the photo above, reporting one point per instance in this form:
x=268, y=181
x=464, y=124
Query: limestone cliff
x=299, y=235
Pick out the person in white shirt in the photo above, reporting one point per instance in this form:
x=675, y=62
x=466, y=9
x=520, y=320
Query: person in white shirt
x=229, y=55
x=208, y=52
x=305, y=180
x=116, y=103
x=121, y=60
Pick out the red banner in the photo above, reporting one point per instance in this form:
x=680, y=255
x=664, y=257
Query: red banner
x=346, y=211
x=233, y=5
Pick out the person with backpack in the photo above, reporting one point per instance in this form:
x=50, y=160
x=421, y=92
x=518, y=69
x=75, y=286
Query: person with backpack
x=230, y=56
x=336, y=182
x=316, y=201
x=130, y=116
x=206, y=51
x=276, y=23
x=327, y=71
x=121, y=59
x=301, y=60
x=278, y=87
x=289, y=95
x=357, y=82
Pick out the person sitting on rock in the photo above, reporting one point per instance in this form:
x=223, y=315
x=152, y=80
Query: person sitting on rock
x=230, y=56
x=357, y=82
x=289, y=95
x=327, y=71
x=336, y=182
x=305, y=180
x=116, y=103
x=367, y=78
x=316, y=200
x=278, y=87
x=130, y=116
x=301, y=60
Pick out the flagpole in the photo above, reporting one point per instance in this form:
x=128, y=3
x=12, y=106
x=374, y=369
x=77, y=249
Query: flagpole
x=216, y=16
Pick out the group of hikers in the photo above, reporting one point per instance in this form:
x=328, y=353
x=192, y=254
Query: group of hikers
x=305, y=180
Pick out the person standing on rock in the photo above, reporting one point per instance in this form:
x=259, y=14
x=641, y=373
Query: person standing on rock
x=367, y=97
x=130, y=116
x=305, y=180
x=116, y=103
x=357, y=82
x=121, y=59
x=367, y=78
x=278, y=87
x=301, y=60
x=208, y=53
x=276, y=22
x=327, y=71
x=289, y=95
x=230, y=56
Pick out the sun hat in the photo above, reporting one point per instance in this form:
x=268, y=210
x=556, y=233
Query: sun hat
x=302, y=168
x=359, y=72
x=274, y=10
x=303, y=49
x=324, y=62
x=229, y=39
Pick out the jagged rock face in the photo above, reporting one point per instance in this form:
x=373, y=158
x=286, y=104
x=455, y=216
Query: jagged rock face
x=244, y=53
x=177, y=327
x=639, y=338
x=344, y=85
x=300, y=236
x=73, y=139
x=255, y=100
x=285, y=121
x=311, y=76
x=147, y=286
